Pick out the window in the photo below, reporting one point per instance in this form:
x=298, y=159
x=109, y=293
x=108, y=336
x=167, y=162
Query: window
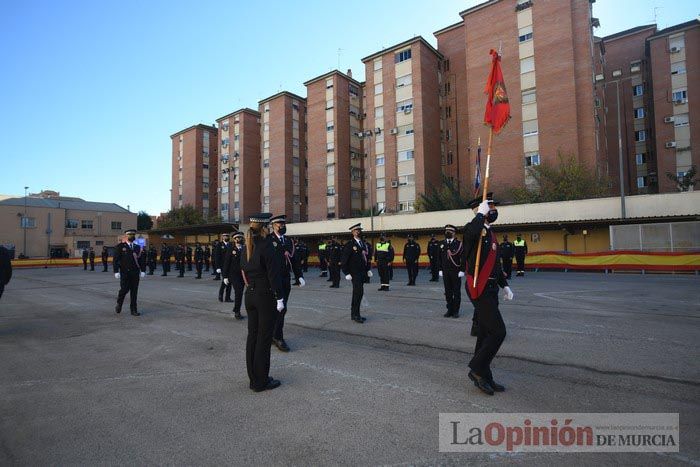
x=379, y=112
x=402, y=56
x=205, y=196
x=637, y=90
x=405, y=206
x=381, y=183
x=330, y=147
x=406, y=130
x=224, y=126
x=295, y=142
x=641, y=158
x=330, y=169
x=636, y=66
x=380, y=159
x=329, y=126
x=266, y=162
x=527, y=65
x=330, y=191
x=205, y=185
x=404, y=80
x=224, y=142
x=224, y=206
x=266, y=200
x=529, y=96
x=532, y=159
x=641, y=182
x=224, y=158
x=409, y=179
x=295, y=106
x=266, y=127
x=404, y=106
x=448, y=111
x=86, y=224
x=266, y=182
x=224, y=189
x=71, y=223
x=448, y=88
x=354, y=110
x=235, y=138
x=680, y=120
x=678, y=68
x=329, y=83
x=640, y=136
x=266, y=144
x=530, y=128
x=205, y=166
x=378, y=88
x=525, y=34
x=329, y=104
x=377, y=64
x=639, y=112
x=82, y=244
x=28, y=222
x=353, y=90
x=406, y=155
x=680, y=95
x=446, y=65
x=381, y=206
x=295, y=161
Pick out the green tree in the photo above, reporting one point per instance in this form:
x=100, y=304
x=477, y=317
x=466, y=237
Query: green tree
x=686, y=181
x=143, y=221
x=568, y=179
x=181, y=217
x=445, y=197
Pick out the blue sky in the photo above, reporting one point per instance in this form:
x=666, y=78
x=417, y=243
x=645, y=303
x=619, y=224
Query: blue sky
x=90, y=91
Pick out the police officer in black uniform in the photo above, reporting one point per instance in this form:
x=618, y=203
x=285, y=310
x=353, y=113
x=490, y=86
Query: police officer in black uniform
x=214, y=249
x=356, y=263
x=198, y=260
x=165, y=258
x=303, y=252
x=220, y=253
x=411, y=254
x=129, y=264
x=433, y=253
x=491, y=328
x=263, y=276
x=370, y=251
x=105, y=258
x=188, y=257
x=152, y=259
x=334, y=250
x=86, y=254
x=231, y=272
x=507, y=251
x=180, y=260
x=207, y=257
x=451, y=269
x=384, y=255
x=289, y=263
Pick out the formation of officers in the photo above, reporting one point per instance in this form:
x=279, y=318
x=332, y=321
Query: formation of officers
x=262, y=265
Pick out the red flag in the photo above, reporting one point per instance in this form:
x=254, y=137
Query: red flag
x=497, y=107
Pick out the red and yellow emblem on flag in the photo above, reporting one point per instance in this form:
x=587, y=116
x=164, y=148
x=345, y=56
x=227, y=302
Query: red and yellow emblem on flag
x=497, y=111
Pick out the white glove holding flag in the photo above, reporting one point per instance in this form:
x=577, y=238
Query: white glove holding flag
x=484, y=208
x=117, y=275
x=302, y=282
x=218, y=271
x=369, y=274
x=461, y=274
x=348, y=277
x=226, y=281
x=143, y=274
x=440, y=273
x=508, y=293
x=280, y=304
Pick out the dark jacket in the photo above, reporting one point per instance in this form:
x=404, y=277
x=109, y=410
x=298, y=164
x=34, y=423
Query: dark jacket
x=433, y=249
x=507, y=250
x=219, y=253
x=355, y=259
x=411, y=251
x=125, y=259
x=263, y=268
x=5, y=266
x=86, y=254
x=472, y=234
x=105, y=255
x=334, y=250
x=199, y=254
x=231, y=267
x=165, y=253
x=287, y=256
x=451, y=256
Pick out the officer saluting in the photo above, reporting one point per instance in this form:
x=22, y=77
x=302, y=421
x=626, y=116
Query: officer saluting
x=129, y=266
x=411, y=253
x=491, y=328
x=263, y=277
x=231, y=272
x=356, y=264
x=451, y=269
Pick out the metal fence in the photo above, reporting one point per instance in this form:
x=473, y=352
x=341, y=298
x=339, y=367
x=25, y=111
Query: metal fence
x=668, y=236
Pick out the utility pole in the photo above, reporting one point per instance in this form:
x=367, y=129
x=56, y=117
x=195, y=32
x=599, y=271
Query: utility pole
x=24, y=222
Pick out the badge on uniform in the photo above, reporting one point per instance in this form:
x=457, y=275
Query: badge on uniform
x=123, y=249
x=354, y=248
x=275, y=244
x=442, y=247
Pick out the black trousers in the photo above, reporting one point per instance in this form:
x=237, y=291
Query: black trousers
x=129, y=283
x=166, y=267
x=520, y=260
x=507, y=266
x=335, y=273
x=152, y=266
x=2, y=289
x=189, y=264
x=223, y=287
x=412, y=269
x=491, y=334
x=305, y=265
x=238, y=287
x=206, y=264
x=198, y=265
x=92, y=265
x=84, y=265
x=434, y=269
x=453, y=291
x=324, y=264
x=384, y=273
x=279, y=322
x=358, y=291
x=104, y=266
x=261, y=310
x=181, y=267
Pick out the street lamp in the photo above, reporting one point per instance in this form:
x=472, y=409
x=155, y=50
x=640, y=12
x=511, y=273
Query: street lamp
x=24, y=223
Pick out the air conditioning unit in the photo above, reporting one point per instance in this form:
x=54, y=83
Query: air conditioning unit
x=408, y=110
x=394, y=183
x=377, y=131
x=668, y=119
x=394, y=131
x=675, y=50
x=670, y=144
x=235, y=155
x=599, y=77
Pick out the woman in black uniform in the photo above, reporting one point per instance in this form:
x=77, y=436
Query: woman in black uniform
x=262, y=272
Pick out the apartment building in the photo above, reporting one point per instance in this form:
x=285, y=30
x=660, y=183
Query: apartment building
x=283, y=138
x=402, y=124
x=335, y=149
x=240, y=165
x=195, y=169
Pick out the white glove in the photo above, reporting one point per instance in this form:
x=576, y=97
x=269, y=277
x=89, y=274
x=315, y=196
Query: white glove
x=440, y=273
x=218, y=271
x=117, y=275
x=143, y=274
x=508, y=293
x=280, y=304
x=302, y=282
x=369, y=274
x=484, y=208
x=226, y=281
x=461, y=274
x=348, y=277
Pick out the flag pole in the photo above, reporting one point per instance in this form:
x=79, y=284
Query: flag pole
x=483, y=198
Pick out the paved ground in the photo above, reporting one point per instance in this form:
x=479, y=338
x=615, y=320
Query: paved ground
x=82, y=385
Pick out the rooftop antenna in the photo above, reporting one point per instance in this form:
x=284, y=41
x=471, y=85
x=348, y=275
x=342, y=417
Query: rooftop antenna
x=340, y=51
x=656, y=14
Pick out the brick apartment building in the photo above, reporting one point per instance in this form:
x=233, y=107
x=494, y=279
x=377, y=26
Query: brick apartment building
x=195, y=169
x=335, y=149
x=283, y=140
x=402, y=125
x=240, y=165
